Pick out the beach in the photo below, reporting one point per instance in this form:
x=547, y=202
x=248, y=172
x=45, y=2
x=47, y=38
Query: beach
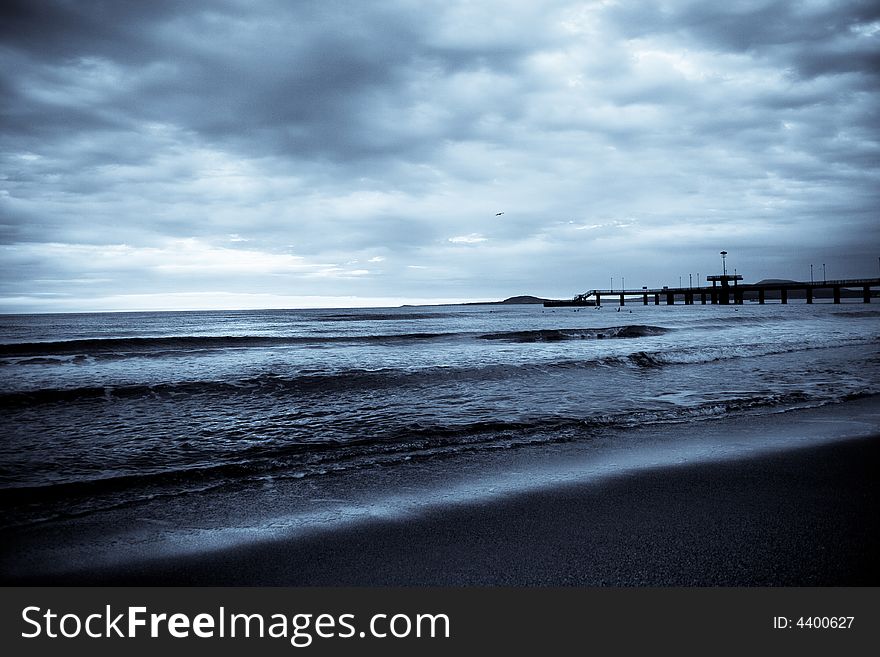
x=467, y=445
x=801, y=516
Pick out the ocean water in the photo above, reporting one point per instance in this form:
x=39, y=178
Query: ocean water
x=106, y=410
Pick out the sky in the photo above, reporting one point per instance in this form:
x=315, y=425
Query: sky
x=238, y=154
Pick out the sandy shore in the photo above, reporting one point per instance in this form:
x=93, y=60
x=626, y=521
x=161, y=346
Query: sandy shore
x=806, y=516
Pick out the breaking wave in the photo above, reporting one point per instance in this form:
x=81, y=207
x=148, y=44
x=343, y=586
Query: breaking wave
x=40, y=352
x=555, y=335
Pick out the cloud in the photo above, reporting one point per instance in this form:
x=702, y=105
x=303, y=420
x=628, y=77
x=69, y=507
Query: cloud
x=225, y=147
x=472, y=238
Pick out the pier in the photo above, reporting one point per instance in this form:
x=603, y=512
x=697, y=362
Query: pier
x=727, y=289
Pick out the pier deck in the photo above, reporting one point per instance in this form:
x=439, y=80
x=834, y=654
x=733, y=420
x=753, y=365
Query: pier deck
x=737, y=293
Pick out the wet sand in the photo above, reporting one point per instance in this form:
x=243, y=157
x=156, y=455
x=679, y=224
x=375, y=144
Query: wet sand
x=803, y=517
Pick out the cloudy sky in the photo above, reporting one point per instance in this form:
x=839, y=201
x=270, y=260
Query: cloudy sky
x=230, y=153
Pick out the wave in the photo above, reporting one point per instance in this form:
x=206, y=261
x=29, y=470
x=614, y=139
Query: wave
x=42, y=360
x=137, y=346
x=36, y=352
x=312, y=382
x=858, y=313
x=262, y=384
x=306, y=382
x=317, y=383
x=416, y=441
x=555, y=335
x=382, y=317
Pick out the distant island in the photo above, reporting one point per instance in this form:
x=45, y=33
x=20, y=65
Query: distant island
x=510, y=301
x=521, y=299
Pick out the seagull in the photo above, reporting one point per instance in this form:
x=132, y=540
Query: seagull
x=498, y=214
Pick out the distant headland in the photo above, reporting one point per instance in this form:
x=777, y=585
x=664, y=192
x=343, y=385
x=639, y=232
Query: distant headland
x=518, y=300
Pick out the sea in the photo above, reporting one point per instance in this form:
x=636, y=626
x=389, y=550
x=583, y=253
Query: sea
x=104, y=411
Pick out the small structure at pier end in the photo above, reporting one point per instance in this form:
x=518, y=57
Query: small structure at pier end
x=723, y=295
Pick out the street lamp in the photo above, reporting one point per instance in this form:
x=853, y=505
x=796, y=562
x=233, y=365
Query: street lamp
x=811, y=273
x=824, y=277
x=724, y=262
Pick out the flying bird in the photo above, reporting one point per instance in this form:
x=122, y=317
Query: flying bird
x=498, y=214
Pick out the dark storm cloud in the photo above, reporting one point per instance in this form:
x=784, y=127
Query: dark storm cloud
x=61, y=29
x=364, y=148
x=813, y=38
x=749, y=25
x=311, y=78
